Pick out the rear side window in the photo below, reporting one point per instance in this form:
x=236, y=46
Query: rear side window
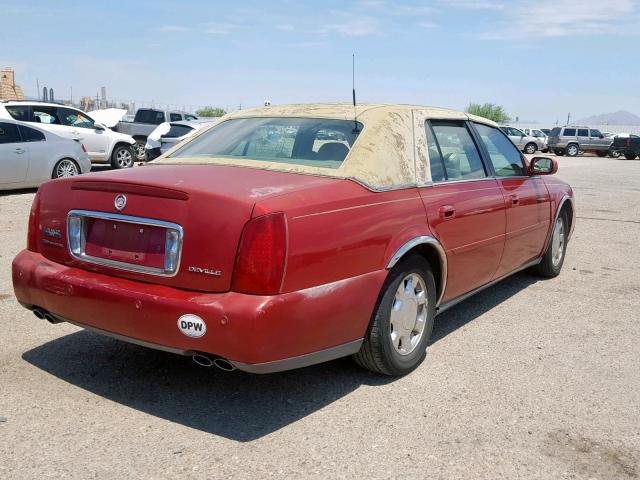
x=9, y=133
x=175, y=117
x=505, y=157
x=46, y=115
x=19, y=112
x=152, y=117
x=459, y=152
x=436, y=162
x=583, y=132
x=569, y=132
x=190, y=117
x=30, y=134
x=176, y=131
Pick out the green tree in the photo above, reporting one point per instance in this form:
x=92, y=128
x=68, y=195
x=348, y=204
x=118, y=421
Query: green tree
x=208, y=112
x=488, y=110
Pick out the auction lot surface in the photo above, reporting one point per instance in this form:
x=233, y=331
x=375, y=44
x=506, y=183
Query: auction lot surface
x=529, y=379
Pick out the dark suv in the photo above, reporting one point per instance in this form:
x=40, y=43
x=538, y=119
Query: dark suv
x=572, y=140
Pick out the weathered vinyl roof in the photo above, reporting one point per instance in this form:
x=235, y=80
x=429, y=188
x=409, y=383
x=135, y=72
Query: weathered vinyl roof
x=387, y=154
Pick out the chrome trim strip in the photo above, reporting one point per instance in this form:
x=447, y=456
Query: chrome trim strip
x=124, y=338
x=464, y=296
x=129, y=267
x=306, y=360
x=425, y=239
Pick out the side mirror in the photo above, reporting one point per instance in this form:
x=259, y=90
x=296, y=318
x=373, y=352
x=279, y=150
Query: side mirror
x=99, y=126
x=543, y=166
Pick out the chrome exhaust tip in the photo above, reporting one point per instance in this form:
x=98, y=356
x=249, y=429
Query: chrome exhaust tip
x=202, y=360
x=223, y=364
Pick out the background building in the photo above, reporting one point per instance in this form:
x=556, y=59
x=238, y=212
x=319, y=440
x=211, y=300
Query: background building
x=8, y=88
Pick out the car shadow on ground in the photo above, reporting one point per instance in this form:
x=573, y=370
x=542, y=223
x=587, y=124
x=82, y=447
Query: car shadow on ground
x=22, y=191
x=234, y=405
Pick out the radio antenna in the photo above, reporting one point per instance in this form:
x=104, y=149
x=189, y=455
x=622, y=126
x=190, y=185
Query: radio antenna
x=353, y=86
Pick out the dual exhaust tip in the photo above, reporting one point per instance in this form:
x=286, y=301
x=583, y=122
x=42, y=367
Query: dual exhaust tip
x=200, y=358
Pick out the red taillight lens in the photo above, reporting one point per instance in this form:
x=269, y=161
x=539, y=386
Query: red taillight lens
x=34, y=224
x=261, y=256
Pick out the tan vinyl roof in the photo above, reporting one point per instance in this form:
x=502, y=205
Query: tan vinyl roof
x=386, y=154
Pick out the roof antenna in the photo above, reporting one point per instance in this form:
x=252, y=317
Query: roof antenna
x=353, y=85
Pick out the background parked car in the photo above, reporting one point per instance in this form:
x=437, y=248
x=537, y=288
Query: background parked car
x=168, y=134
x=539, y=134
x=574, y=139
x=625, y=144
x=30, y=156
x=524, y=142
x=145, y=122
x=102, y=144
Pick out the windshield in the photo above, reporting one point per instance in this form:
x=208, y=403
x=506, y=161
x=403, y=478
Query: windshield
x=302, y=141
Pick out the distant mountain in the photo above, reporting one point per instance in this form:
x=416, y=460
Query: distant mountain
x=621, y=117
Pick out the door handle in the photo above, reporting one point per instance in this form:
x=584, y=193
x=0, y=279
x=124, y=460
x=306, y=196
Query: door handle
x=447, y=212
x=19, y=150
x=515, y=200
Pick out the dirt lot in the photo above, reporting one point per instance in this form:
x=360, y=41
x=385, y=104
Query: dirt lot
x=530, y=379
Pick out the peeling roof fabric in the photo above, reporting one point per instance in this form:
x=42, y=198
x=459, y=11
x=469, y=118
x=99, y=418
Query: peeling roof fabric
x=390, y=152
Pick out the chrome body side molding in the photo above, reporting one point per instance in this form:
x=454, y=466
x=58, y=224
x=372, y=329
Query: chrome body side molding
x=422, y=240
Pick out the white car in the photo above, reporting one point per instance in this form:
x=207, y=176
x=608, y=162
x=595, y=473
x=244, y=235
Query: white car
x=524, y=142
x=168, y=134
x=30, y=156
x=104, y=145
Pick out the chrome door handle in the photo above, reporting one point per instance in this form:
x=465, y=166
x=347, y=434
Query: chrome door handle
x=19, y=151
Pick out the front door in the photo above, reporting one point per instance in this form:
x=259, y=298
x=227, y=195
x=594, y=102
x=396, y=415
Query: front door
x=583, y=139
x=526, y=199
x=96, y=141
x=465, y=207
x=14, y=155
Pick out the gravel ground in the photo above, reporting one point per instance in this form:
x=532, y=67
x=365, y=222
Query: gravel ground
x=529, y=379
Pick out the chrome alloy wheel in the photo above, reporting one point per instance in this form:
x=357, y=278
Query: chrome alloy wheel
x=66, y=168
x=557, y=242
x=124, y=158
x=408, y=314
x=572, y=150
x=140, y=151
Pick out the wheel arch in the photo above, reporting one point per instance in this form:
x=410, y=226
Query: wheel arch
x=431, y=249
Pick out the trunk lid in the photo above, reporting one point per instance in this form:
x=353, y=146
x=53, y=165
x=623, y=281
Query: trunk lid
x=208, y=205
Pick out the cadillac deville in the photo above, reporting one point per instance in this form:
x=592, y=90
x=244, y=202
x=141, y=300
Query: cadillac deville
x=287, y=236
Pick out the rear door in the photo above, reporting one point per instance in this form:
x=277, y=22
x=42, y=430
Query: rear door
x=14, y=155
x=465, y=206
x=526, y=200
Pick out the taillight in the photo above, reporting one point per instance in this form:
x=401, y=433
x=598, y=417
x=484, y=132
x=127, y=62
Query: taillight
x=261, y=256
x=34, y=224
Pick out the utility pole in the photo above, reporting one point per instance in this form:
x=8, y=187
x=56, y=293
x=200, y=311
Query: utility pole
x=568, y=118
x=38, y=88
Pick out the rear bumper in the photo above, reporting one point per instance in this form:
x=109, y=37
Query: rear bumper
x=256, y=333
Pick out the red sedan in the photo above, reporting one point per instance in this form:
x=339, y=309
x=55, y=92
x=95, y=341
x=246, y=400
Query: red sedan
x=287, y=236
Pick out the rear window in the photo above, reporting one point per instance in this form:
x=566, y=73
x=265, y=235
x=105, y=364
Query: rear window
x=152, y=117
x=302, y=141
x=177, y=131
x=569, y=132
x=554, y=132
x=19, y=112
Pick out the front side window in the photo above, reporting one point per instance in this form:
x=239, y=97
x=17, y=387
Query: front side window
x=19, y=112
x=595, y=133
x=302, y=141
x=514, y=132
x=569, y=132
x=459, y=152
x=31, y=134
x=538, y=133
x=9, y=133
x=75, y=118
x=583, y=132
x=175, y=117
x=505, y=157
x=190, y=117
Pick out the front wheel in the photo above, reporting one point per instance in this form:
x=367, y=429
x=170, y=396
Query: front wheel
x=630, y=156
x=122, y=157
x=65, y=168
x=553, y=257
x=530, y=148
x=572, y=150
x=396, y=340
x=613, y=153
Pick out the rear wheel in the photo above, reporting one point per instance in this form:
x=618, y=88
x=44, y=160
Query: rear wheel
x=630, y=156
x=397, y=336
x=139, y=149
x=65, y=168
x=553, y=257
x=613, y=153
x=122, y=157
x=530, y=148
x=572, y=150
x=559, y=152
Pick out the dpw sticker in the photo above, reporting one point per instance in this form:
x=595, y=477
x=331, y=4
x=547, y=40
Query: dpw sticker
x=192, y=326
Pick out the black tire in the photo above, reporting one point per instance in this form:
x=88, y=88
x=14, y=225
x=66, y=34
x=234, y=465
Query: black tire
x=601, y=154
x=559, y=152
x=547, y=267
x=65, y=168
x=530, y=148
x=630, y=156
x=572, y=150
x=614, y=153
x=122, y=157
x=378, y=353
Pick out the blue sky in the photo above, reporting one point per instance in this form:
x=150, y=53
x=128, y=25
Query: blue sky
x=539, y=58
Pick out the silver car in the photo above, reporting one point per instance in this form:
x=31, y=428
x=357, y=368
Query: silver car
x=572, y=140
x=524, y=142
x=539, y=134
x=169, y=134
